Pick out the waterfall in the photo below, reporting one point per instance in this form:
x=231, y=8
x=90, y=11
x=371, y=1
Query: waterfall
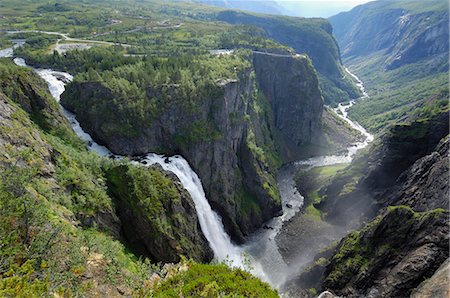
x=210, y=221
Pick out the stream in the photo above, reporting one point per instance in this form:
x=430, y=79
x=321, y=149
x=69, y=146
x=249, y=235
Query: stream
x=264, y=257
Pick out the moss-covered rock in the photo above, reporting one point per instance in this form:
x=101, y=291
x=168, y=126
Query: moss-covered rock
x=158, y=216
x=391, y=255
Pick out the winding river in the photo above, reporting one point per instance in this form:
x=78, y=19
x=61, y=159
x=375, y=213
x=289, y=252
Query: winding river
x=265, y=260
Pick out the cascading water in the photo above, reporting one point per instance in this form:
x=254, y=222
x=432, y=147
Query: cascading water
x=210, y=221
x=266, y=260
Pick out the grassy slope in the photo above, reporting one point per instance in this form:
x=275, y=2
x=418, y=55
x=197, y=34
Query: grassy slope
x=397, y=93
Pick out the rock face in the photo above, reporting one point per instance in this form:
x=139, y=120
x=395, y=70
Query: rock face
x=405, y=182
x=157, y=214
x=298, y=123
x=437, y=285
x=406, y=32
x=392, y=172
x=424, y=186
x=229, y=140
x=311, y=36
x=391, y=256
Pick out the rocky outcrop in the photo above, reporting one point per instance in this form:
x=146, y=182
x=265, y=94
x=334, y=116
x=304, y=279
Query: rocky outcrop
x=403, y=179
x=435, y=286
x=158, y=216
x=384, y=174
x=424, y=186
x=30, y=93
x=228, y=140
x=391, y=256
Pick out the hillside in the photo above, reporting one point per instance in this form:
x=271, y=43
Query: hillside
x=176, y=149
x=400, y=50
x=63, y=228
x=266, y=7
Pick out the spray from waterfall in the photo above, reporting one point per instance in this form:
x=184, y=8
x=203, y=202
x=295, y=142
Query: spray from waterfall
x=210, y=222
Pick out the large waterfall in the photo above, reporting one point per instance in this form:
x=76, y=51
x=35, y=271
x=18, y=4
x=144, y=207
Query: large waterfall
x=266, y=263
x=210, y=221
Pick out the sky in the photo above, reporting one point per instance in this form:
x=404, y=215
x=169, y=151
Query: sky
x=318, y=8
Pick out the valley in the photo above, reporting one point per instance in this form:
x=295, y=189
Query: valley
x=240, y=167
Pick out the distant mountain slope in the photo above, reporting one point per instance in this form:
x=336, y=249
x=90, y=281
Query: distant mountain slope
x=400, y=51
x=267, y=7
x=406, y=31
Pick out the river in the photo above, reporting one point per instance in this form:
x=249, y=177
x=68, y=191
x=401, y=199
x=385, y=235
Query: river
x=263, y=255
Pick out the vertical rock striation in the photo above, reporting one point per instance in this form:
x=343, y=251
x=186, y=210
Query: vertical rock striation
x=229, y=140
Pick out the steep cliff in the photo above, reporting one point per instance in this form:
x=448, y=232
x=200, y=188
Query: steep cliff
x=402, y=178
x=391, y=256
x=297, y=83
x=311, y=36
x=382, y=175
x=63, y=230
x=405, y=31
x=227, y=137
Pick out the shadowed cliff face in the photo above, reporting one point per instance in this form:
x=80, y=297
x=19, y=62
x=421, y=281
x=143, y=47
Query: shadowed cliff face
x=382, y=175
x=159, y=221
x=404, y=245
x=291, y=88
x=390, y=256
x=228, y=140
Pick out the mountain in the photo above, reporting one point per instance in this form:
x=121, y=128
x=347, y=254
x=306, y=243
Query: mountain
x=266, y=7
x=395, y=194
x=310, y=36
x=71, y=218
x=322, y=9
x=400, y=50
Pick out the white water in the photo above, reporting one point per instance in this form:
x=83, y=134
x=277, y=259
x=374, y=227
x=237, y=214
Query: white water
x=210, y=221
x=266, y=260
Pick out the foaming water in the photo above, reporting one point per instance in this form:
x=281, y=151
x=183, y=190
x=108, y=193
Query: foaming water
x=264, y=256
x=210, y=222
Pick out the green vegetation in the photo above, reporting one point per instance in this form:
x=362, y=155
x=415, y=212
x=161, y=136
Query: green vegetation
x=148, y=197
x=172, y=29
x=219, y=280
x=54, y=200
x=125, y=97
x=310, y=183
x=427, y=96
x=366, y=248
x=416, y=79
